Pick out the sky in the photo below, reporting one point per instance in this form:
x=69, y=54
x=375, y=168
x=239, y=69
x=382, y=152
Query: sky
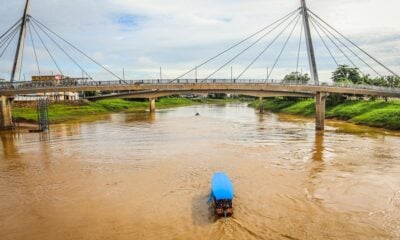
x=176, y=35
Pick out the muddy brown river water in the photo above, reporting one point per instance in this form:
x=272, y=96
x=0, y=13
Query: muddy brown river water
x=141, y=176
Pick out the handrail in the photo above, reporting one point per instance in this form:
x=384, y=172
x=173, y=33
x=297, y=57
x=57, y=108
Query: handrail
x=90, y=83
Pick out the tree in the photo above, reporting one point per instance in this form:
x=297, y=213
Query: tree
x=387, y=81
x=393, y=81
x=345, y=73
x=296, y=76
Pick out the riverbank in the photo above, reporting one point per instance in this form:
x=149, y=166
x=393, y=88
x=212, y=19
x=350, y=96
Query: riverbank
x=61, y=112
x=370, y=113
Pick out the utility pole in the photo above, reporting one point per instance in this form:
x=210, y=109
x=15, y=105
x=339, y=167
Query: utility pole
x=21, y=40
x=231, y=74
x=310, y=47
x=195, y=73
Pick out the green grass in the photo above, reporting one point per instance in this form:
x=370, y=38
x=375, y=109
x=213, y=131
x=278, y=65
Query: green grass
x=371, y=113
x=64, y=112
x=303, y=107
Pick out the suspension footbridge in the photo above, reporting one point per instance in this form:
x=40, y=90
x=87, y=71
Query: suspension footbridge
x=302, y=19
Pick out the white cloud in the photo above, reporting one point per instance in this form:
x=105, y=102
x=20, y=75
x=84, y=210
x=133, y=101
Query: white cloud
x=178, y=34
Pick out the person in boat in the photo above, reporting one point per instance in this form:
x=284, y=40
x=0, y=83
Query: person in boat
x=221, y=197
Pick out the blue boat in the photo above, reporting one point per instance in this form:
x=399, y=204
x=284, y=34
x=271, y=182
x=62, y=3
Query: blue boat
x=221, y=197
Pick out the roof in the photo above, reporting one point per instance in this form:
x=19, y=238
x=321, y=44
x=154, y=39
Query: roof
x=222, y=187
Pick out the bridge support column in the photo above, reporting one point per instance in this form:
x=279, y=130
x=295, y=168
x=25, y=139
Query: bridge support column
x=261, y=105
x=5, y=113
x=320, y=103
x=152, y=105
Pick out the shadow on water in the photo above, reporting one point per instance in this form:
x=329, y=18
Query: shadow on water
x=10, y=149
x=317, y=164
x=141, y=117
x=202, y=213
x=318, y=150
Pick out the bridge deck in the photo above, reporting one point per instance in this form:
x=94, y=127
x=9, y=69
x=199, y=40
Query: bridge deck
x=250, y=87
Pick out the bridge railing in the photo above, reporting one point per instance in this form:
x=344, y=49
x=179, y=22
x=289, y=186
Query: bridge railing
x=88, y=83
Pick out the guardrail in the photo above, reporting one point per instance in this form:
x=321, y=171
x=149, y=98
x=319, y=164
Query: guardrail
x=85, y=82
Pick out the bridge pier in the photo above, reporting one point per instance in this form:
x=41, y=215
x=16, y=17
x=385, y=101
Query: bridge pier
x=320, y=104
x=152, y=102
x=261, y=105
x=5, y=113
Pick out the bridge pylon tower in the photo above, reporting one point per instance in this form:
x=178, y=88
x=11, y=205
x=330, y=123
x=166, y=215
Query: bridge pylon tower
x=21, y=40
x=309, y=42
x=320, y=97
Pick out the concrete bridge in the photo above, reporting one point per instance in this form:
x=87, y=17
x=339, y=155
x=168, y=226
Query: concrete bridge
x=153, y=89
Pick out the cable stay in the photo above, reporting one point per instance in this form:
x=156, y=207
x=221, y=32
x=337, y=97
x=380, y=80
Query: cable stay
x=354, y=44
x=269, y=45
x=74, y=47
x=7, y=41
x=247, y=48
x=337, y=46
x=326, y=47
x=34, y=49
x=343, y=44
x=283, y=49
x=287, y=16
x=299, y=49
x=15, y=26
x=63, y=50
x=45, y=47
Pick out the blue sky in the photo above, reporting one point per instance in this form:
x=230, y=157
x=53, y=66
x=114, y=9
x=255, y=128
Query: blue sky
x=141, y=36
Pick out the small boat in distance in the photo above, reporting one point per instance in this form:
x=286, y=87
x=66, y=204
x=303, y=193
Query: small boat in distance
x=221, y=195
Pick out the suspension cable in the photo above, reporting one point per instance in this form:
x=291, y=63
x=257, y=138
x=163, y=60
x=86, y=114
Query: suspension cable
x=77, y=49
x=244, y=50
x=62, y=49
x=355, y=45
x=22, y=62
x=298, y=52
x=327, y=48
x=283, y=48
x=237, y=44
x=47, y=50
x=325, y=44
x=348, y=48
x=7, y=37
x=11, y=28
x=336, y=45
x=269, y=45
x=34, y=49
x=8, y=41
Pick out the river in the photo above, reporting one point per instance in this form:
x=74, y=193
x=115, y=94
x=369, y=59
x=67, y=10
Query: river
x=142, y=176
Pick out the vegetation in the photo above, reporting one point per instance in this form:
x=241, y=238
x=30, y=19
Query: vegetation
x=346, y=74
x=61, y=112
x=375, y=113
x=297, y=77
x=379, y=113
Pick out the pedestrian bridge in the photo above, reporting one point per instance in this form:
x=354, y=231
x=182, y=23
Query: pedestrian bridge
x=152, y=89
x=159, y=88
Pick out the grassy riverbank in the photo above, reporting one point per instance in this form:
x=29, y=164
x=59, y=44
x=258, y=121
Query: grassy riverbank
x=371, y=113
x=60, y=112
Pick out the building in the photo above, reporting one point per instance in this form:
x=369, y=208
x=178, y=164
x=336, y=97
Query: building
x=57, y=96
